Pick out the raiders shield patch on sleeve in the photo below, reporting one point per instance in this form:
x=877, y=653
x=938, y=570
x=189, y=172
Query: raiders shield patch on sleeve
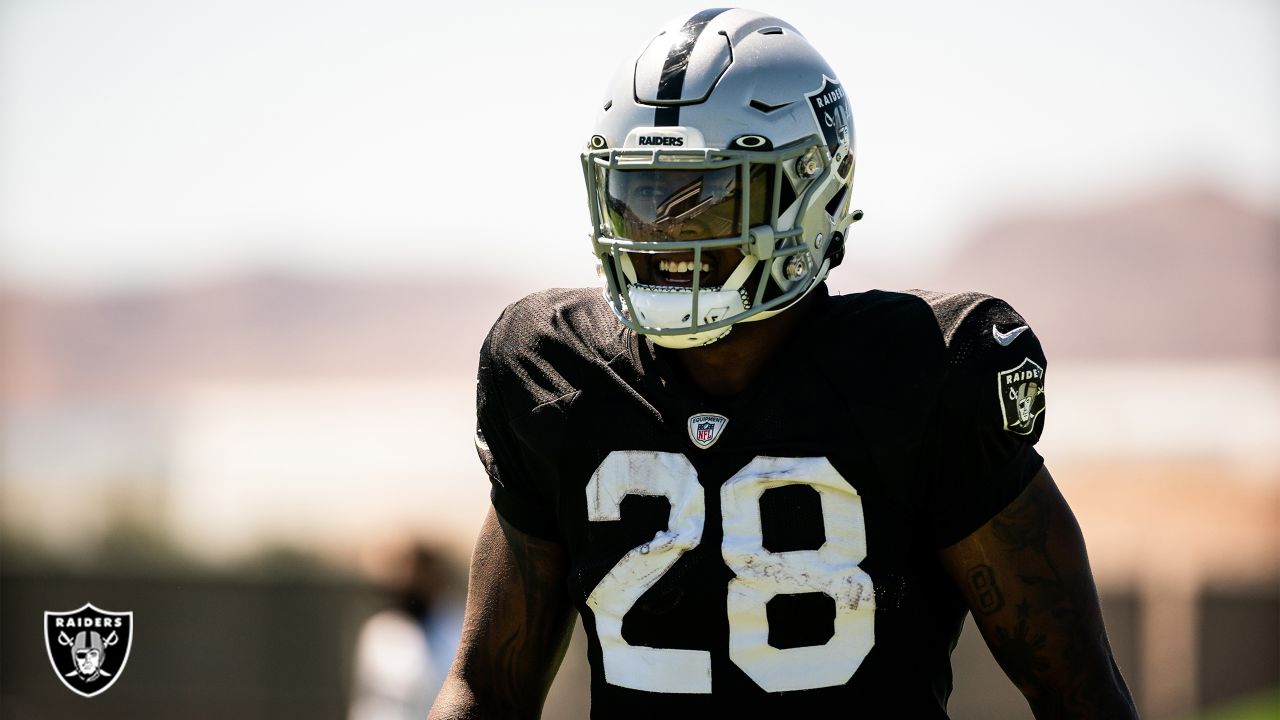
x=1021, y=396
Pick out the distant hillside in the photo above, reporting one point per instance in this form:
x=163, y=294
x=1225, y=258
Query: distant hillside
x=1187, y=275
x=263, y=326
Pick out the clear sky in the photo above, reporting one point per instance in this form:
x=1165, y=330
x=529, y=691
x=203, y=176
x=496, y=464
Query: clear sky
x=146, y=141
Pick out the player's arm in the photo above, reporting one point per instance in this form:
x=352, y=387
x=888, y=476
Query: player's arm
x=1027, y=580
x=517, y=626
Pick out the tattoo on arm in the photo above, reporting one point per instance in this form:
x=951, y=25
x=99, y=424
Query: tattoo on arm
x=1050, y=642
x=983, y=582
x=1020, y=650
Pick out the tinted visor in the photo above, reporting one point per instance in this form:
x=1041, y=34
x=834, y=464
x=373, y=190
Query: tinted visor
x=657, y=205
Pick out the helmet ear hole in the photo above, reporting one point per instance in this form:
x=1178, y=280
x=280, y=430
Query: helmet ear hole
x=846, y=165
x=833, y=205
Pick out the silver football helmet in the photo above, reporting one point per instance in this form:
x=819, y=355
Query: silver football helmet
x=718, y=176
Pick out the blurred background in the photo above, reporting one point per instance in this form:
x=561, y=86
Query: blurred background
x=248, y=252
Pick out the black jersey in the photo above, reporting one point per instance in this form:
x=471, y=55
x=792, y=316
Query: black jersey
x=775, y=551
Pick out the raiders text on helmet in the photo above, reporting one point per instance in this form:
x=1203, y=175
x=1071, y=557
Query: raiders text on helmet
x=727, y=131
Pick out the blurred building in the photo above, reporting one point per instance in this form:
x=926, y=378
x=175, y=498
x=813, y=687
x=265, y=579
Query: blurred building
x=245, y=412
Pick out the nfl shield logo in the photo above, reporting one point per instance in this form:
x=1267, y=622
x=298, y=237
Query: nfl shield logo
x=705, y=429
x=704, y=432
x=88, y=647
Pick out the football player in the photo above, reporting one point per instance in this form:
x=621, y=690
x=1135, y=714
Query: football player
x=761, y=499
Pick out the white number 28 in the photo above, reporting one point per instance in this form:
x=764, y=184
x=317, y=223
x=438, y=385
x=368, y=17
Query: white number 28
x=760, y=574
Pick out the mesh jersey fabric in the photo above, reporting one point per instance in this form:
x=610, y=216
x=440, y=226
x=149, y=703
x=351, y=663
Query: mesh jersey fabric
x=903, y=395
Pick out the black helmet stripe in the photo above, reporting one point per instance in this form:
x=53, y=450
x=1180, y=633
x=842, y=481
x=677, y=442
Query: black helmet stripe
x=671, y=84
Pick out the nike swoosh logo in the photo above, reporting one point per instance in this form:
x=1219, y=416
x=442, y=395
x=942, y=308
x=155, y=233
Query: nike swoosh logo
x=1005, y=338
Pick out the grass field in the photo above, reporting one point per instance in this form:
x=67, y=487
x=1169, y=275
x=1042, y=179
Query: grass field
x=1259, y=707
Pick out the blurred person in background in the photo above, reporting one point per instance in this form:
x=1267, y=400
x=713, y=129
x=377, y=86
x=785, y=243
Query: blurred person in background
x=403, y=652
x=760, y=497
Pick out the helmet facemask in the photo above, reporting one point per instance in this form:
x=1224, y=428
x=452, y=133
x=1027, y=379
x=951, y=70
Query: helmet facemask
x=691, y=206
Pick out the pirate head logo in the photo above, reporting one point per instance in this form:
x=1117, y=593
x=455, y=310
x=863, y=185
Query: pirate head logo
x=88, y=651
x=88, y=647
x=705, y=429
x=831, y=110
x=1021, y=396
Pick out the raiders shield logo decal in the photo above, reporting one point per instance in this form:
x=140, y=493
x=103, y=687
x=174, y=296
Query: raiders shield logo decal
x=1021, y=396
x=88, y=647
x=705, y=429
x=831, y=110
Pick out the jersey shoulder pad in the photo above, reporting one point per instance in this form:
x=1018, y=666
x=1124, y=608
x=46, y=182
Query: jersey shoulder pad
x=990, y=345
x=883, y=319
x=977, y=327
x=543, y=342
x=880, y=348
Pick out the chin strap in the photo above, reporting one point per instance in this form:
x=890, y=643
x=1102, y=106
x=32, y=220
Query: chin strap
x=739, y=276
x=834, y=254
x=668, y=308
x=835, y=250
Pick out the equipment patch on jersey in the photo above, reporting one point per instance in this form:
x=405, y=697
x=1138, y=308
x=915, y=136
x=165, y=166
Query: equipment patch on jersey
x=705, y=429
x=831, y=110
x=1021, y=396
